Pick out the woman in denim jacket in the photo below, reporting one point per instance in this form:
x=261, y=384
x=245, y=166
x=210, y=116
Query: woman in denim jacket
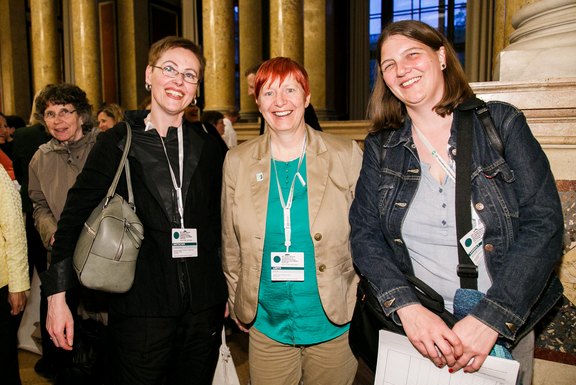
x=403, y=216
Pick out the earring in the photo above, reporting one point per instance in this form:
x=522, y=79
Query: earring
x=148, y=87
x=443, y=66
x=193, y=102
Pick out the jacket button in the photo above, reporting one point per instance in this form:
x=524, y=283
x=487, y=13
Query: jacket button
x=512, y=327
x=318, y=236
x=479, y=206
x=489, y=247
x=322, y=267
x=389, y=303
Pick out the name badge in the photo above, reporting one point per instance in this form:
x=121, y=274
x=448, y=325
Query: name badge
x=472, y=242
x=184, y=243
x=287, y=266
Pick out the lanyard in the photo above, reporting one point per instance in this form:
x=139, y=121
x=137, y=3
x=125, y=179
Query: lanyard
x=476, y=222
x=177, y=187
x=287, y=205
x=445, y=166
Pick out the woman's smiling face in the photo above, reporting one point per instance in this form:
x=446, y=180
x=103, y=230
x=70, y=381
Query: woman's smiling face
x=173, y=94
x=412, y=71
x=283, y=104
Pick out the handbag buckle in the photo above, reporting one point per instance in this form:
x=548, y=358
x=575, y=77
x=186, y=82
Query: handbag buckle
x=467, y=271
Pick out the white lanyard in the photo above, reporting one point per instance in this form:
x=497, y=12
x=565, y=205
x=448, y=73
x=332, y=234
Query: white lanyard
x=445, y=166
x=476, y=222
x=286, y=206
x=177, y=187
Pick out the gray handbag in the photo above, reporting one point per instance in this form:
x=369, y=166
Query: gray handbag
x=107, y=248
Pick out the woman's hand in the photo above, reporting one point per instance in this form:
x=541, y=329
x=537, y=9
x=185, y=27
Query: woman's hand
x=17, y=302
x=478, y=339
x=241, y=325
x=59, y=321
x=430, y=335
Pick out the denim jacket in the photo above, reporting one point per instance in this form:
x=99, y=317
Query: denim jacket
x=515, y=196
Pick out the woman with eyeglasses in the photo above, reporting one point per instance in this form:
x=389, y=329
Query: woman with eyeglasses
x=166, y=328
x=66, y=113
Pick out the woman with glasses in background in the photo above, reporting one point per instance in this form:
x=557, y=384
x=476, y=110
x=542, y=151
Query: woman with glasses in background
x=67, y=115
x=166, y=328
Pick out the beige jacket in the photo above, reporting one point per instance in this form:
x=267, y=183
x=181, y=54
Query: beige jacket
x=332, y=167
x=52, y=171
x=13, y=249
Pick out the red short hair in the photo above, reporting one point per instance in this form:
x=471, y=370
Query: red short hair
x=279, y=68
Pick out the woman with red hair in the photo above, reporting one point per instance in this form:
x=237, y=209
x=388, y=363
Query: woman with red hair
x=286, y=253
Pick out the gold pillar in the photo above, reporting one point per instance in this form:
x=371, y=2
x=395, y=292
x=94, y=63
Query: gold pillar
x=287, y=29
x=45, y=44
x=249, y=17
x=133, y=58
x=16, y=98
x=503, y=13
x=86, y=49
x=218, y=41
x=315, y=50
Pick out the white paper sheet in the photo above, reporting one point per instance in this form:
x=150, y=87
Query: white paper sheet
x=399, y=363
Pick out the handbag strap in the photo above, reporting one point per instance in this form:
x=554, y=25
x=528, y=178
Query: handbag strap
x=124, y=164
x=467, y=269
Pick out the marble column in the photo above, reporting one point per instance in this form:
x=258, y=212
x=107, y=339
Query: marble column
x=190, y=20
x=133, y=38
x=315, y=51
x=46, y=56
x=86, y=49
x=543, y=44
x=218, y=45
x=287, y=29
x=249, y=20
x=503, y=12
x=16, y=98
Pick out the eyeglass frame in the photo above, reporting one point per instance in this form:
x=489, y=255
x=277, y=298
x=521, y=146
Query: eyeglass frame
x=176, y=73
x=62, y=114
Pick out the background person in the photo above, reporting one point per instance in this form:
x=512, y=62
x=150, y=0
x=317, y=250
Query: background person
x=14, y=280
x=109, y=115
x=403, y=215
x=229, y=136
x=67, y=114
x=288, y=191
x=166, y=328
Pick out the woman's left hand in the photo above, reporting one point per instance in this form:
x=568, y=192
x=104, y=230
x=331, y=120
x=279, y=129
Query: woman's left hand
x=478, y=339
x=17, y=302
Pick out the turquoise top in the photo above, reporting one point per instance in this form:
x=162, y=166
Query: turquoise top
x=290, y=312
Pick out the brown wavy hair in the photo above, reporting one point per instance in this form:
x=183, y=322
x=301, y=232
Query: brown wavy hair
x=385, y=110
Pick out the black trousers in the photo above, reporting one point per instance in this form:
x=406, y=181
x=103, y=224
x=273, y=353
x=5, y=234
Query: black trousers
x=9, y=371
x=166, y=350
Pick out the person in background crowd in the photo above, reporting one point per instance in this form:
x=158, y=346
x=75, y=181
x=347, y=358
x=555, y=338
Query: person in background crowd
x=14, y=280
x=192, y=113
x=12, y=123
x=5, y=160
x=212, y=122
x=310, y=117
x=166, y=328
x=230, y=137
x=6, y=133
x=27, y=140
x=109, y=115
x=403, y=216
x=67, y=114
x=286, y=252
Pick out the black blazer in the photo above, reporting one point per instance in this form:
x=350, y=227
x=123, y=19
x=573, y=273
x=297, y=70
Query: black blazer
x=163, y=286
